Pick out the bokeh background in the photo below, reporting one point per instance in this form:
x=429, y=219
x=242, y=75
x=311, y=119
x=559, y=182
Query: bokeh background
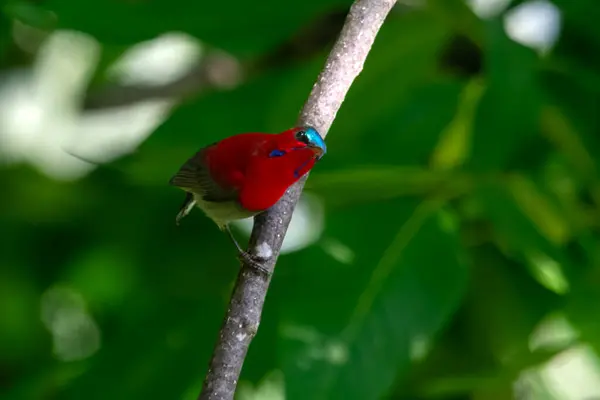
x=447, y=247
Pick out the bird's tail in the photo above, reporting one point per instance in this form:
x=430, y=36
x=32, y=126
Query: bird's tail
x=186, y=207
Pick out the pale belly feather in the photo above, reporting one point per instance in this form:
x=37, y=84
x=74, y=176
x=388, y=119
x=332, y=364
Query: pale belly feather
x=223, y=212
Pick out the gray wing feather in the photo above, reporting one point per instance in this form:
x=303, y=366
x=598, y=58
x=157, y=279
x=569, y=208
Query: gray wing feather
x=194, y=177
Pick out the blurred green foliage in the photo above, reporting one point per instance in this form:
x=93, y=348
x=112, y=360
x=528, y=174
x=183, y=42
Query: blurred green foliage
x=462, y=175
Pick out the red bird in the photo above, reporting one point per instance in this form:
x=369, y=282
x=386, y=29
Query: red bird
x=245, y=174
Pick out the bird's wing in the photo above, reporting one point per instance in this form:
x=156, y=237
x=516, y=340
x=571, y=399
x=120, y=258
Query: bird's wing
x=194, y=177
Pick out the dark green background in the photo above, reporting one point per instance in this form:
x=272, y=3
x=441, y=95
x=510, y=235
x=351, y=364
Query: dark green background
x=458, y=161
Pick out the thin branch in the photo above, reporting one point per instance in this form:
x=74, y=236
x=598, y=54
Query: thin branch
x=241, y=322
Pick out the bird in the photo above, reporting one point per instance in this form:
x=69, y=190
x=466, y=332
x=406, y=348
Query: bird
x=244, y=175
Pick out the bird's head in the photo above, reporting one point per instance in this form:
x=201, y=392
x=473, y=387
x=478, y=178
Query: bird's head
x=308, y=136
x=300, y=138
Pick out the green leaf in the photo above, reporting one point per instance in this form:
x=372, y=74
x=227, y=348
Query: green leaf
x=508, y=112
x=409, y=297
x=488, y=343
x=504, y=305
x=570, y=122
x=526, y=225
x=454, y=145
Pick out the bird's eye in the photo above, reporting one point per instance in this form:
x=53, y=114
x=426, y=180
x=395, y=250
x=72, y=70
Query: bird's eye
x=302, y=137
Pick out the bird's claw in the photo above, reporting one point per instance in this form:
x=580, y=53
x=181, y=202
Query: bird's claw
x=254, y=261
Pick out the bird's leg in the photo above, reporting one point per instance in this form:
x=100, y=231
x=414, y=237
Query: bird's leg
x=185, y=208
x=254, y=261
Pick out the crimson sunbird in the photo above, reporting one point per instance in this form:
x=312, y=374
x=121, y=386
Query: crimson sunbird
x=244, y=175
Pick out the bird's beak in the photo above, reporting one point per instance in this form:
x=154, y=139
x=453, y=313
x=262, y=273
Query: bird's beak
x=319, y=151
x=319, y=148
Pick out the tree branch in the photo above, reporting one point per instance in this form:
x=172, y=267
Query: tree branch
x=241, y=322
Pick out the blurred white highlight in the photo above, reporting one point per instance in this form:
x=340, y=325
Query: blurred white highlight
x=75, y=334
x=338, y=250
x=548, y=272
x=157, y=62
x=534, y=24
x=271, y=387
x=419, y=347
x=317, y=346
x=38, y=107
x=488, y=8
x=41, y=121
x=553, y=332
x=573, y=374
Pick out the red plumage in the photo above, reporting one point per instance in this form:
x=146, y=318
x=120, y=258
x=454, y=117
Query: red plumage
x=242, y=162
x=246, y=174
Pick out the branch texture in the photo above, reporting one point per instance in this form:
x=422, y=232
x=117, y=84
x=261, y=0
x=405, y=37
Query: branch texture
x=343, y=65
